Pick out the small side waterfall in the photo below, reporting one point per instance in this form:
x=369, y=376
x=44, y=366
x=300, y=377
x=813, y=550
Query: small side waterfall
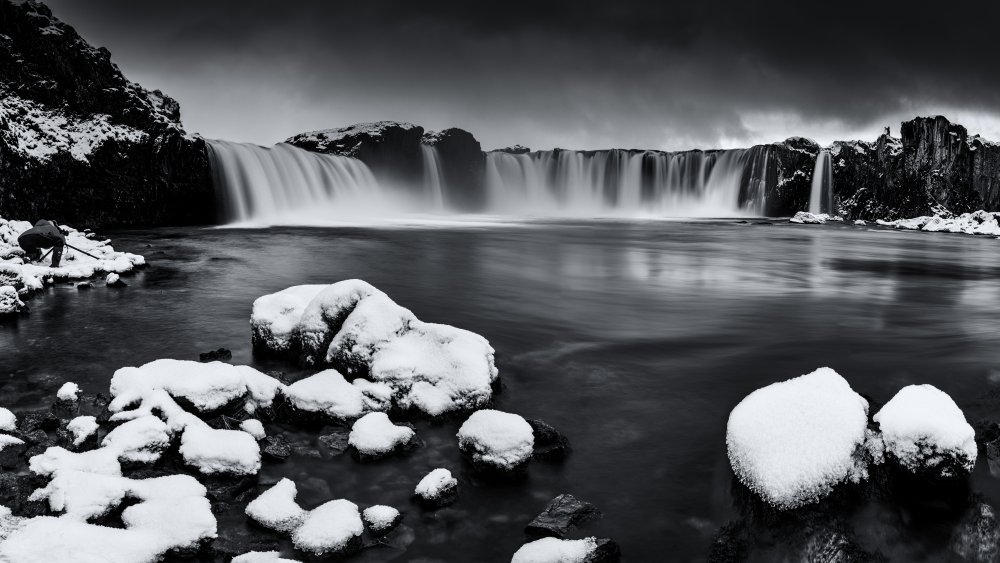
x=433, y=175
x=255, y=182
x=821, y=194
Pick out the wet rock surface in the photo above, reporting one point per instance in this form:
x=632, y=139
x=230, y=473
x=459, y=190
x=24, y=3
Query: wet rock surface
x=562, y=514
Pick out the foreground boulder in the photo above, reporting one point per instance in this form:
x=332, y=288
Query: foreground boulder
x=374, y=436
x=358, y=330
x=926, y=433
x=438, y=488
x=792, y=442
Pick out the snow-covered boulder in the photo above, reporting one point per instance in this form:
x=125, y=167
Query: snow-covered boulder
x=333, y=528
x=204, y=387
x=10, y=303
x=553, y=550
x=374, y=436
x=792, y=442
x=82, y=428
x=8, y=420
x=328, y=393
x=925, y=432
x=276, y=508
x=212, y=450
x=141, y=440
x=262, y=557
x=496, y=440
x=253, y=427
x=438, y=488
x=360, y=331
x=804, y=217
x=68, y=392
x=976, y=223
x=381, y=519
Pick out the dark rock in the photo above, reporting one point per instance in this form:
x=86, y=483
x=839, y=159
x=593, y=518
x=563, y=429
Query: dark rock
x=562, y=514
x=84, y=285
x=234, y=540
x=336, y=442
x=220, y=355
x=977, y=537
x=44, y=420
x=276, y=448
x=607, y=551
x=226, y=490
x=516, y=149
x=16, y=489
x=117, y=283
x=10, y=455
x=550, y=444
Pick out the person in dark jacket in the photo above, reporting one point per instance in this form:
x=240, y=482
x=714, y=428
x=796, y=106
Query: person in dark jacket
x=45, y=234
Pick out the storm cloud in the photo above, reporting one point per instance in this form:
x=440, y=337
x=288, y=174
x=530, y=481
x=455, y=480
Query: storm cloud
x=568, y=74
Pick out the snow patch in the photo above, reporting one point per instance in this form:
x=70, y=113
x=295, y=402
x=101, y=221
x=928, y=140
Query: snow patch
x=554, y=550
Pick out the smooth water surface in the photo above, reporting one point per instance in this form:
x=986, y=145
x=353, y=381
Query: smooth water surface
x=635, y=339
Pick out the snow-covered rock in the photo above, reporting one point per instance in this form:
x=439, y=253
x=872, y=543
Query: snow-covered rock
x=925, y=432
x=333, y=528
x=253, y=427
x=10, y=302
x=553, y=550
x=141, y=440
x=8, y=420
x=358, y=329
x=82, y=428
x=380, y=519
x=212, y=450
x=276, y=508
x=437, y=488
x=329, y=394
x=205, y=386
x=74, y=266
x=792, y=442
x=262, y=557
x=975, y=223
x=496, y=440
x=804, y=217
x=68, y=392
x=374, y=435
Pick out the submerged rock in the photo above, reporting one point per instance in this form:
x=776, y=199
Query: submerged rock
x=220, y=355
x=977, y=537
x=550, y=444
x=561, y=515
x=792, y=442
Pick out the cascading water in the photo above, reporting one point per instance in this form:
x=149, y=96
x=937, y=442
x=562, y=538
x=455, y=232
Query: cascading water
x=257, y=182
x=433, y=176
x=623, y=182
x=287, y=185
x=821, y=194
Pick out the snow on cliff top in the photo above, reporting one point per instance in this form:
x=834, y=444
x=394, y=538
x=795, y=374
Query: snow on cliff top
x=75, y=265
x=793, y=441
x=325, y=138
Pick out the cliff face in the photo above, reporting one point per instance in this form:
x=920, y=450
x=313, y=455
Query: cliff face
x=82, y=144
x=396, y=154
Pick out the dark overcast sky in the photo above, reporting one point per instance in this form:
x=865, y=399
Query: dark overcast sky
x=571, y=74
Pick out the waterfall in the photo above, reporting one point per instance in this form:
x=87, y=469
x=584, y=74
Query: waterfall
x=287, y=185
x=821, y=194
x=433, y=176
x=257, y=182
x=565, y=182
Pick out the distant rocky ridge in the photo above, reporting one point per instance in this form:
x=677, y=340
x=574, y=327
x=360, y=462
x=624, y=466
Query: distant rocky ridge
x=81, y=143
